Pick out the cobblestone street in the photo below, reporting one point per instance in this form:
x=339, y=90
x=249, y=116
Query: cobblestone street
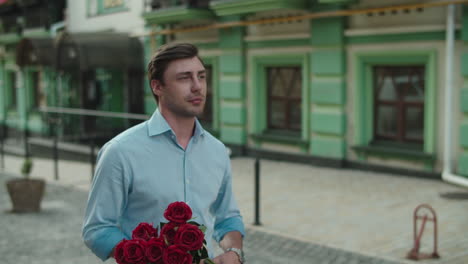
x=309, y=215
x=53, y=236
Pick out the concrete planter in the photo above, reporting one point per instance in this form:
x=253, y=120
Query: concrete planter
x=26, y=194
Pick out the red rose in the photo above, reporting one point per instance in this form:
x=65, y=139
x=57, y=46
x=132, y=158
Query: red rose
x=119, y=252
x=176, y=254
x=144, y=231
x=168, y=232
x=134, y=252
x=154, y=250
x=189, y=236
x=178, y=212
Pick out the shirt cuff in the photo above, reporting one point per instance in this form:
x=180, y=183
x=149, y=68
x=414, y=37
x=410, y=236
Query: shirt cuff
x=102, y=246
x=228, y=225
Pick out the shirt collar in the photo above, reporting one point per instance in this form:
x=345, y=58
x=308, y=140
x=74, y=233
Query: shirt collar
x=157, y=125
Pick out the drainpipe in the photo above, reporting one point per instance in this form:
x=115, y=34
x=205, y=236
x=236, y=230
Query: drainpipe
x=447, y=173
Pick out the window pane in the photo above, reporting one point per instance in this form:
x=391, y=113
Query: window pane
x=295, y=115
x=277, y=114
x=415, y=123
x=386, y=121
x=284, y=97
x=384, y=87
x=295, y=82
x=415, y=92
x=276, y=82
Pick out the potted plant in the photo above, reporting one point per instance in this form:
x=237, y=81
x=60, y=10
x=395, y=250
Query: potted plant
x=26, y=193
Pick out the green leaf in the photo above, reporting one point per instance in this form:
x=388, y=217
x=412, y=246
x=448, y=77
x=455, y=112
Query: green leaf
x=204, y=252
x=196, y=259
x=193, y=223
x=26, y=168
x=202, y=228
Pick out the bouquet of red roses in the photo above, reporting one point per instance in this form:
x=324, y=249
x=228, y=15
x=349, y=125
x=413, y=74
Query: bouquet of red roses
x=180, y=241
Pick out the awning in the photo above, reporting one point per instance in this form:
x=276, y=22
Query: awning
x=85, y=51
x=35, y=51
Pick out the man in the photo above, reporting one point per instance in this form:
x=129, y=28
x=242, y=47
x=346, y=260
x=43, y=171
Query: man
x=165, y=159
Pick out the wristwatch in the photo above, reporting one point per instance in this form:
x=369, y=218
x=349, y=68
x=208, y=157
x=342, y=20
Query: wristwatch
x=239, y=253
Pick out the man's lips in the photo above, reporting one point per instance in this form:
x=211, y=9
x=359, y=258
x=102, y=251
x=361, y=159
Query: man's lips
x=196, y=100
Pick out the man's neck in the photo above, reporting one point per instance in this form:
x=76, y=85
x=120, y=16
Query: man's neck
x=183, y=127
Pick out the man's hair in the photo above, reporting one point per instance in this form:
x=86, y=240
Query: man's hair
x=165, y=55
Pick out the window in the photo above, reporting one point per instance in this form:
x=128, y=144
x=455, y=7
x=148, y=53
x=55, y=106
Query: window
x=284, y=85
x=12, y=88
x=207, y=116
x=39, y=99
x=399, y=93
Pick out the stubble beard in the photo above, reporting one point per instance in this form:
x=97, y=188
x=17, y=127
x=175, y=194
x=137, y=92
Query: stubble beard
x=186, y=112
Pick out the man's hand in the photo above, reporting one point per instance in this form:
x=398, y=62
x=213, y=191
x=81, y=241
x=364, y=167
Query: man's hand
x=229, y=257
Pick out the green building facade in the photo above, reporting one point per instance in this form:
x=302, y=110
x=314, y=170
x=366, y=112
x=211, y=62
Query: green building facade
x=361, y=85
x=27, y=78
x=44, y=66
x=345, y=83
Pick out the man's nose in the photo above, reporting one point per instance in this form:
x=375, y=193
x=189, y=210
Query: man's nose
x=197, y=84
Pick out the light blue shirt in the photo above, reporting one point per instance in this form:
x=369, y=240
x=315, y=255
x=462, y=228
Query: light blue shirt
x=142, y=170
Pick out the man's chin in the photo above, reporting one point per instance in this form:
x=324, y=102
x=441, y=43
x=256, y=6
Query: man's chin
x=194, y=113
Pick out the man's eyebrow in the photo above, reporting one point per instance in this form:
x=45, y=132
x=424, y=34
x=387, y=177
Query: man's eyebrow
x=183, y=73
x=188, y=72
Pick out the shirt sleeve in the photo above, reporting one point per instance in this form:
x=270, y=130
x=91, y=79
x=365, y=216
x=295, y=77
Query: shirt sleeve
x=228, y=217
x=106, y=201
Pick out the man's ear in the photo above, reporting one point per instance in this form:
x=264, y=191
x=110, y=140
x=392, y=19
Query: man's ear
x=156, y=87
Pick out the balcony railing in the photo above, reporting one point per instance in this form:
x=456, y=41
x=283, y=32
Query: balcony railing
x=153, y=5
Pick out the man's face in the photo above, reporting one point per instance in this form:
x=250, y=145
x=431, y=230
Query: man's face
x=184, y=90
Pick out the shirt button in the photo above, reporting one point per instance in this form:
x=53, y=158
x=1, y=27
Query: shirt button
x=187, y=181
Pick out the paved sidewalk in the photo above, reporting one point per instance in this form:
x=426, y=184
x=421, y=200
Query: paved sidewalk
x=339, y=216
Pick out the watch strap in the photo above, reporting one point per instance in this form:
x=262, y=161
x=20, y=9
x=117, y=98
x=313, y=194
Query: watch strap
x=239, y=253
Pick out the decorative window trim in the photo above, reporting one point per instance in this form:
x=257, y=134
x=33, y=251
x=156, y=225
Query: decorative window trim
x=363, y=95
x=258, y=90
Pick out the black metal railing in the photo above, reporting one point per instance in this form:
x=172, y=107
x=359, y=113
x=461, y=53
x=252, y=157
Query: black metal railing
x=67, y=138
x=88, y=142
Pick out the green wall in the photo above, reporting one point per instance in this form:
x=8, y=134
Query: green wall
x=232, y=110
x=328, y=89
